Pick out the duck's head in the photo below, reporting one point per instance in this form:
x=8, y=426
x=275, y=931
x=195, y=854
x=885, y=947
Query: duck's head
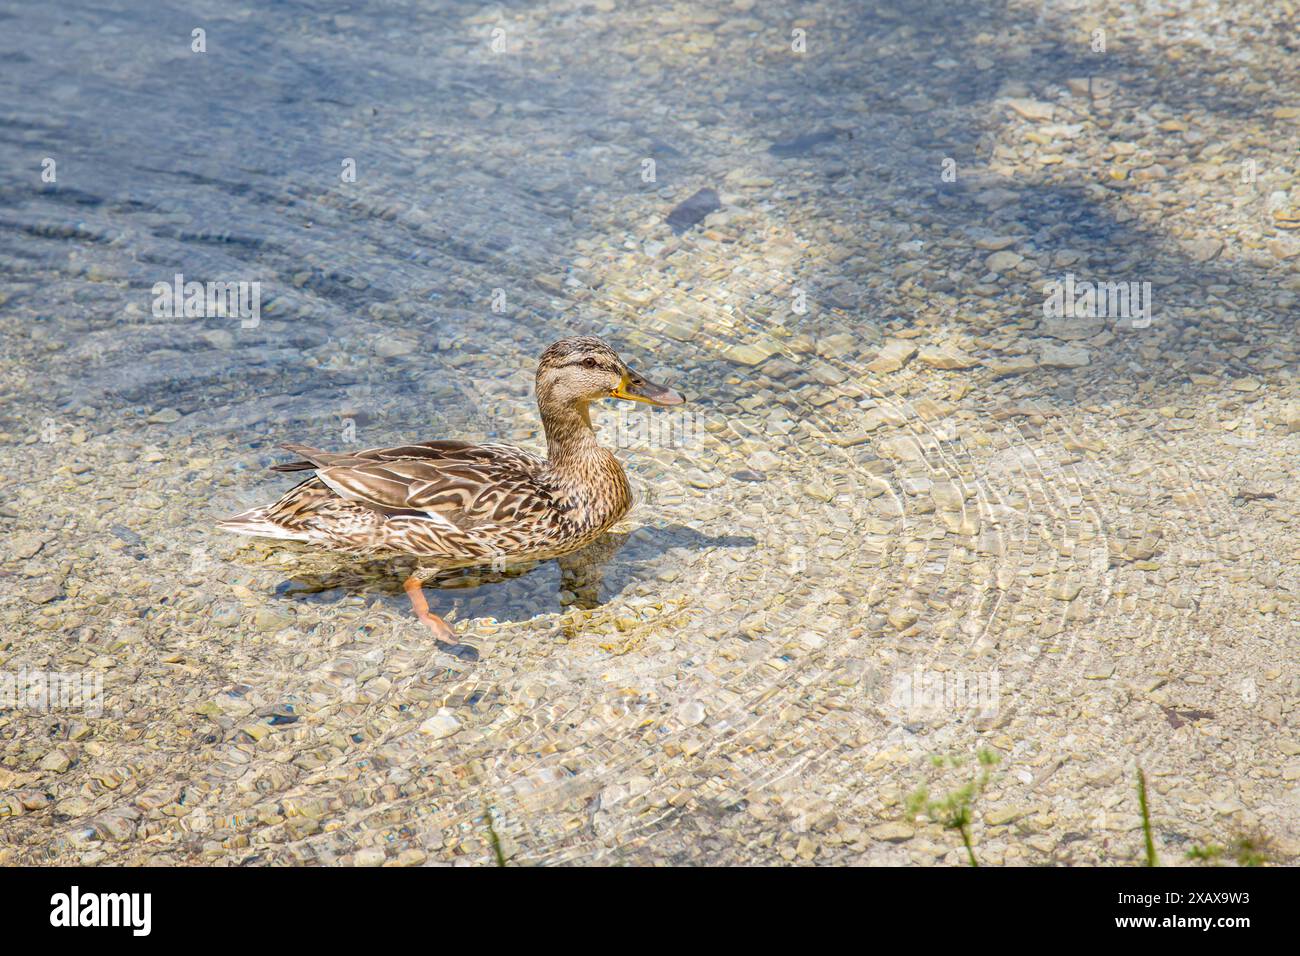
x=583, y=369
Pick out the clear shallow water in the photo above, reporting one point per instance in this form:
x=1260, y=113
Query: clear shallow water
x=724, y=691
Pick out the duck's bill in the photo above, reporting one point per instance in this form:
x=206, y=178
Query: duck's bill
x=635, y=388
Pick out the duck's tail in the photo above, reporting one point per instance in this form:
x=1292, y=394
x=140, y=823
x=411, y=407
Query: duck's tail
x=255, y=522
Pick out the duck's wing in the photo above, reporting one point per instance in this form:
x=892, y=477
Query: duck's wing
x=464, y=484
x=314, y=458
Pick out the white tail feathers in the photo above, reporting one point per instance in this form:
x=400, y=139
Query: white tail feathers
x=255, y=523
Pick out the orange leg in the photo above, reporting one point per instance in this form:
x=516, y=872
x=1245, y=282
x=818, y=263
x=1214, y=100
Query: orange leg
x=441, y=629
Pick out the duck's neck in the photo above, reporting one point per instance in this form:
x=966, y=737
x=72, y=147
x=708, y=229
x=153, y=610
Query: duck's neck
x=571, y=443
x=591, y=483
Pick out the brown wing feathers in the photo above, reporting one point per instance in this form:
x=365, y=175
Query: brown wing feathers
x=454, y=480
x=315, y=458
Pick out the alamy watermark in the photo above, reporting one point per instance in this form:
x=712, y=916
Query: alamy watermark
x=638, y=428
x=44, y=692
x=1129, y=302
x=209, y=300
x=75, y=908
x=926, y=693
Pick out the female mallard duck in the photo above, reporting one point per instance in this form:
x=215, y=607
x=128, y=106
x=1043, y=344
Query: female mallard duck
x=458, y=504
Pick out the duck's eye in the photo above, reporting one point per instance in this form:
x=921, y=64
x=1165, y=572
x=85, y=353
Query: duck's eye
x=589, y=363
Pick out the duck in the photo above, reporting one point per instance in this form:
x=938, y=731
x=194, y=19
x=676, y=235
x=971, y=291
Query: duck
x=457, y=504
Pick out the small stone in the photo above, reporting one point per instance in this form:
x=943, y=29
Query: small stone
x=946, y=358
x=903, y=617
x=836, y=346
x=1031, y=109
x=902, y=447
x=549, y=283
x=225, y=615
x=1291, y=418
x=44, y=594
x=820, y=492
x=1254, y=491
x=947, y=496
x=389, y=347
x=1204, y=250
x=807, y=848
x=26, y=546
x=257, y=732
x=1066, y=592
x=750, y=353
x=441, y=725
x=1090, y=86
x=56, y=761
x=703, y=479
x=1003, y=261
x=117, y=825
x=918, y=485
x=164, y=417
x=1015, y=365
x=269, y=620
x=895, y=832
x=895, y=354
x=1004, y=815
x=692, y=713
x=1063, y=356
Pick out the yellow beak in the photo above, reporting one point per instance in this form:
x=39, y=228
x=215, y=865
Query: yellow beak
x=635, y=388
